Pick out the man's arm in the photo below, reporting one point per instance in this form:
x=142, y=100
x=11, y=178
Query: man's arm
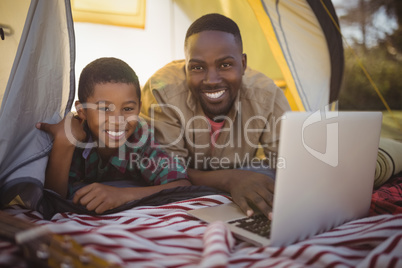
x=167, y=120
x=245, y=187
x=270, y=138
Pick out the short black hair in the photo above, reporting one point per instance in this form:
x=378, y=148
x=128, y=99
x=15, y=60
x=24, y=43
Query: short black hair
x=106, y=70
x=214, y=22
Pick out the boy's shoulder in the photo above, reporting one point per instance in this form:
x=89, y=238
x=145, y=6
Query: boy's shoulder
x=142, y=132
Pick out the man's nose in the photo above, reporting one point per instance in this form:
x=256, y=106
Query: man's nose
x=212, y=77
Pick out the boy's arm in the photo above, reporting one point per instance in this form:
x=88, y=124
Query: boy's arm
x=159, y=170
x=245, y=187
x=58, y=167
x=60, y=157
x=100, y=198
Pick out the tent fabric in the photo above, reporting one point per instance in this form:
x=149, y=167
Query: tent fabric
x=328, y=19
x=40, y=88
x=309, y=47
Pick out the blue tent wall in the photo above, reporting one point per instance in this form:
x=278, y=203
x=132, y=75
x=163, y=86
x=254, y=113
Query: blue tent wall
x=40, y=88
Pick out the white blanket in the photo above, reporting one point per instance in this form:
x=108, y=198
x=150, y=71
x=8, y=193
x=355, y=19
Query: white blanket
x=166, y=236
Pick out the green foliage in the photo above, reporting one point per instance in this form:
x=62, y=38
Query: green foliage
x=358, y=93
x=392, y=125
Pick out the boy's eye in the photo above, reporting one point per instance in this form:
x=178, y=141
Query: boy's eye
x=128, y=109
x=104, y=109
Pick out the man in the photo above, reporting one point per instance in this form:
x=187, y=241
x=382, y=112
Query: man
x=214, y=112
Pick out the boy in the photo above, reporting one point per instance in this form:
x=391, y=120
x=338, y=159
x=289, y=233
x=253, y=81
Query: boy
x=107, y=143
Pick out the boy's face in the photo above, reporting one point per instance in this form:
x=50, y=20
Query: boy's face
x=214, y=69
x=111, y=113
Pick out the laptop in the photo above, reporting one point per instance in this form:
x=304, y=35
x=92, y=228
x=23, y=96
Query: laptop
x=325, y=173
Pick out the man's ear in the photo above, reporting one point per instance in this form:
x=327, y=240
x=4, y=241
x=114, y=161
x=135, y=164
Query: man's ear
x=80, y=110
x=244, y=61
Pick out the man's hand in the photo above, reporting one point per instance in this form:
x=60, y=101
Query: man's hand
x=251, y=188
x=246, y=187
x=99, y=197
x=67, y=130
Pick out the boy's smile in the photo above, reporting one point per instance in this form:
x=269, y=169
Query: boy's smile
x=115, y=135
x=111, y=113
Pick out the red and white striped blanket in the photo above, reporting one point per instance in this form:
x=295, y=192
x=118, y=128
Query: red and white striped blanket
x=166, y=236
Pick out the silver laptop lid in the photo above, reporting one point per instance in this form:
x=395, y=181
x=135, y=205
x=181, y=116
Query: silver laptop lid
x=326, y=165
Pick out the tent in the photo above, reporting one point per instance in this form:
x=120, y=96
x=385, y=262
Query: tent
x=40, y=87
x=297, y=43
x=293, y=41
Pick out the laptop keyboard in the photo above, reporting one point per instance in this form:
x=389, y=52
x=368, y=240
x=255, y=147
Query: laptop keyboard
x=258, y=224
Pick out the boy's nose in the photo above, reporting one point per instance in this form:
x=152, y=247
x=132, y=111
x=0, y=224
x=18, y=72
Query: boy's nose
x=117, y=120
x=115, y=113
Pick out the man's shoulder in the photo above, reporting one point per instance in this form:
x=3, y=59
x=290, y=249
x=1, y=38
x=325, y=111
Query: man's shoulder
x=169, y=81
x=257, y=86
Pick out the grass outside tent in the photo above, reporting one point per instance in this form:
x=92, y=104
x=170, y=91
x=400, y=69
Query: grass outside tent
x=392, y=125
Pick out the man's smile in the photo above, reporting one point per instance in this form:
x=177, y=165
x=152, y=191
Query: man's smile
x=215, y=95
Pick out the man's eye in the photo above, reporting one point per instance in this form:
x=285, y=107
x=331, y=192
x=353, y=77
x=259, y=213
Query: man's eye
x=197, y=68
x=226, y=65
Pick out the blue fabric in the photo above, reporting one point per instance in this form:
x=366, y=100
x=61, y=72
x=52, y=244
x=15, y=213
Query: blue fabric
x=40, y=88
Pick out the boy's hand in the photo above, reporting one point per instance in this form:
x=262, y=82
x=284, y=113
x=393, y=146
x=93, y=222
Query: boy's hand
x=99, y=197
x=70, y=129
x=252, y=188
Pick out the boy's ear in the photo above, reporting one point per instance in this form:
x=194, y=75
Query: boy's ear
x=80, y=110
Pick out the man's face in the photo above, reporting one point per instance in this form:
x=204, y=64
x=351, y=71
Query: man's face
x=111, y=113
x=214, y=69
